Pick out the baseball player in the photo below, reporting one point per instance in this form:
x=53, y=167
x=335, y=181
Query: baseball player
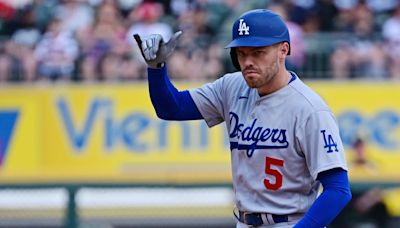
x=284, y=139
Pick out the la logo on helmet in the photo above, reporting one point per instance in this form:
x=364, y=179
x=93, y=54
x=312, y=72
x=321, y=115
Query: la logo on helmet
x=243, y=27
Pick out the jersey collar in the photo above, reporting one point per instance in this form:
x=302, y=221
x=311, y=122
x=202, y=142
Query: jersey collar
x=294, y=76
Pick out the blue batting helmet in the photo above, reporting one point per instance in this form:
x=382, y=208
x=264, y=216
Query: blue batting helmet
x=257, y=28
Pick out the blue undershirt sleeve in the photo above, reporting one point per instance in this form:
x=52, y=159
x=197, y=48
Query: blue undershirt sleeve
x=336, y=194
x=168, y=102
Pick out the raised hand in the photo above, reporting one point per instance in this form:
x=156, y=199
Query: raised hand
x=154, y=50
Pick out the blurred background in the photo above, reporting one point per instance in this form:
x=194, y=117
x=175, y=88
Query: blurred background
x=80, y=145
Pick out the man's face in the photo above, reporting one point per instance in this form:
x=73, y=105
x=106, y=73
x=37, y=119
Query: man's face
x=258, y=64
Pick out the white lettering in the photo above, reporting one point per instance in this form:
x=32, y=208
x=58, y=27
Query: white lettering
x=243, y=27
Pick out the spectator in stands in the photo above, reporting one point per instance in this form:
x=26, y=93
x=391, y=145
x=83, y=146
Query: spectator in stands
x=361, y=56
x=7, y=16
x=391, y=34
x=115, y=67
x=106, y=35
x=297, y=56
x=327, y=13
x=361, y=160
x=219, y=13
x=146, y=18
x=56, y=53
x=74, y=15
x=198, y=57
x=297, y=12
x=18, y=59
x=5, y=64
x=100, y=27
x=43, y=12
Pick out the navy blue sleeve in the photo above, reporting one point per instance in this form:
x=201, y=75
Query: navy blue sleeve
x=169, y=103
x=336, y=194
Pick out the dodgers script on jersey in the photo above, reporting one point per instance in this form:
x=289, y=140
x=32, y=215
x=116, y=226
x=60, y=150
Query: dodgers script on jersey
x=279, y=142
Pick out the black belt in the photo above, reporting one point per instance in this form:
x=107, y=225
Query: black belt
x=255, y=219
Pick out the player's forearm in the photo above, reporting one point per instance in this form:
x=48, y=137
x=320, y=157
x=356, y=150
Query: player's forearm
x=168, y=102
x=327, y=206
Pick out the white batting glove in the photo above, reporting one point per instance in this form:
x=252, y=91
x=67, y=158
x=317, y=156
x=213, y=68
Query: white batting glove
x=154, y=50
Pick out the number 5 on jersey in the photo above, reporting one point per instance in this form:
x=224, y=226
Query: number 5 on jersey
x=270, y=169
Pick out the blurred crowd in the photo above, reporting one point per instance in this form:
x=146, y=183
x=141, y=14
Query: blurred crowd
x=92, y=40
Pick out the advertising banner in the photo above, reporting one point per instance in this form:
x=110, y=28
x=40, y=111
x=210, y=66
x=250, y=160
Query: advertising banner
x=110, y=133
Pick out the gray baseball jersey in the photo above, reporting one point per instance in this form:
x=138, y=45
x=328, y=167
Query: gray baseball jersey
x=279, y=142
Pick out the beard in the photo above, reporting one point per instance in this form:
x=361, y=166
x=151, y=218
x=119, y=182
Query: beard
x=257, y=78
